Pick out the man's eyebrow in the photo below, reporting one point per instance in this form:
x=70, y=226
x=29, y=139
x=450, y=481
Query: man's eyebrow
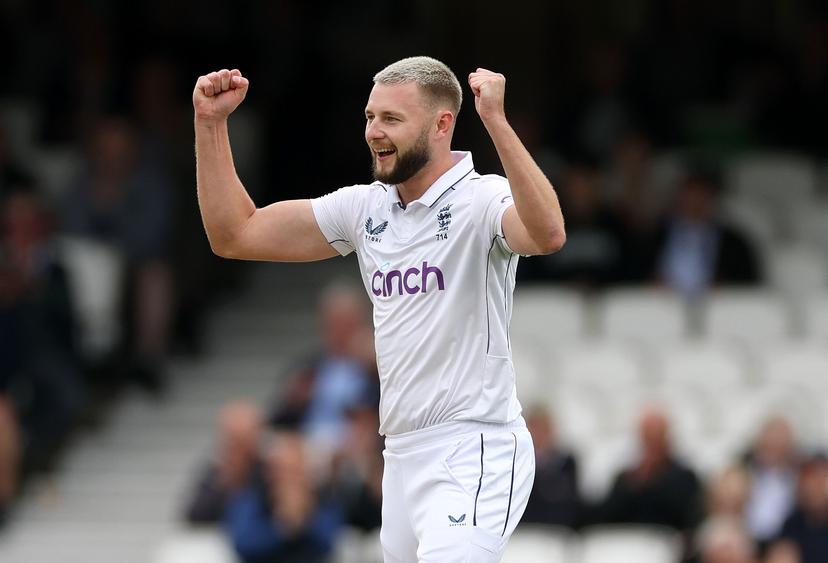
x=385, y=113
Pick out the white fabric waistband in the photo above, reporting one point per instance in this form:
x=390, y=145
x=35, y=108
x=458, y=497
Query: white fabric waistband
x=447, y=431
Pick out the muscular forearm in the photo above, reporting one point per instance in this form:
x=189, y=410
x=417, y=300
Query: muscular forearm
x=224, y=203
x=535, y=199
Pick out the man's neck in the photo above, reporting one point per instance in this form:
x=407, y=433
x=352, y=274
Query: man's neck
x=414, y=188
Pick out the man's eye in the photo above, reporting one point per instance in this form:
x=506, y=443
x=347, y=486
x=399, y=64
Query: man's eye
x=391, y=118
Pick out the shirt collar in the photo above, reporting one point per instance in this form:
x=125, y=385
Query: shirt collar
x=463, y=166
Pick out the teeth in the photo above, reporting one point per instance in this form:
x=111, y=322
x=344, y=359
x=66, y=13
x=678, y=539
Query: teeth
x=385, y=151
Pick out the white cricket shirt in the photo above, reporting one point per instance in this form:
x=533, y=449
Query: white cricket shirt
x=440, y=276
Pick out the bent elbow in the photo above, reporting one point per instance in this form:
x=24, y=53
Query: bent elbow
x=554, y=242
x=222, y=249
x=220, y=252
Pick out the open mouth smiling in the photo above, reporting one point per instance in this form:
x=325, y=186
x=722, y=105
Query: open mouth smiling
x=383, y=154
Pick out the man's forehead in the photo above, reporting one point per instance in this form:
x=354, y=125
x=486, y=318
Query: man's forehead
x=396, y=97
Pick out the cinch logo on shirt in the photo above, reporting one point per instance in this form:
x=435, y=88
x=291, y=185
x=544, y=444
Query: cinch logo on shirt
x=413, y=281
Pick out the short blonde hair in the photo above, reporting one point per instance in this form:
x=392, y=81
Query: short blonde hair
x=435, y=78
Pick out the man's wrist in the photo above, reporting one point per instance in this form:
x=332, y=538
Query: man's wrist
x=496, y=123
x=209, y=123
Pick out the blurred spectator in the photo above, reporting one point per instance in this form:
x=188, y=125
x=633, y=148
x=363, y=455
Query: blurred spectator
x=13, y=176
x=287, y=517
x=773, y=467
x=592, y=254
x=723, y=540
x=697, y=250
x=657, y=489
x=630, y=177
x=39, y=367
x=806, y=529
x=722, y=537
x=164, y=124
x=554, y=499
x=122, y=198
x=637, y=206
x=783, y=552
x=357, y=470
x=600, y=111
x=237, y=458
x=341, y=377
x=727, y=494
x=9, y=456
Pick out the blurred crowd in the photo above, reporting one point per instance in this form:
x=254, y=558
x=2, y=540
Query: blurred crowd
x=288, y=478
x=105, y=272
x=623, y=228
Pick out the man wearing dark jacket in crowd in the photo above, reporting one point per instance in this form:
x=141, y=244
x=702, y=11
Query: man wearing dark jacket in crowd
x=657, y=489
x=696, y=250
x=235, y=465
x=554, y=499
x=806, y=529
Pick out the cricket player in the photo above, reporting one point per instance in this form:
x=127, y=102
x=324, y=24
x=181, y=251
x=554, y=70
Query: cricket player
x=438, y=245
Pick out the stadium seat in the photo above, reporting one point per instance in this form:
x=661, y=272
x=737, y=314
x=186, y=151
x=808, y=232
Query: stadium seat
x=801, y=407
x=757, y=223
x=584, y=415
x=532, y=375
x=372, y=552
x=548, y=315
x=798, y=270
x=750, y=318
x=355, y=546
x=690, y=414
x=95, y=272
x=630, y=544
x=541, y=544
x=644, y=316
x=600, y=462
x=20, y=118
x=815, y=316
x=777, y=180
x=808, y=224
x=702, y=380
x=55, y=169
x=188, y=546
x=803, y=365
x=602, y=364
x=702, y=365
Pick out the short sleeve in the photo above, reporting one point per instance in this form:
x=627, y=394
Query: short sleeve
x=497, y=199
x=334, y=213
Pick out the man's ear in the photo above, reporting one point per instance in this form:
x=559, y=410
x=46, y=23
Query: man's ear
x=445, y=123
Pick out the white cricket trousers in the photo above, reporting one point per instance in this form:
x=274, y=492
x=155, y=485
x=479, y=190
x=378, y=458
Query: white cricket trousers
x=453, y=493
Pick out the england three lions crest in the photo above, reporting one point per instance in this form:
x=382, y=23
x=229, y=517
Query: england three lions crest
x=443, y=222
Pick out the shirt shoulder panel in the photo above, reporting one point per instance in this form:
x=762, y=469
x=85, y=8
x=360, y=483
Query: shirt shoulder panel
x=339, y=213
x=492, y=196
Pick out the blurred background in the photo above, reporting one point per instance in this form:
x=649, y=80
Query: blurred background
x=158, y=404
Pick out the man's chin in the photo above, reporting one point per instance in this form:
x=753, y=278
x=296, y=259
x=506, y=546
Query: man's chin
x=385, y=176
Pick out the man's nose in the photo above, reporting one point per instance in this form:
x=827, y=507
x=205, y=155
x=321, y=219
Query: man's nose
x=373, y=131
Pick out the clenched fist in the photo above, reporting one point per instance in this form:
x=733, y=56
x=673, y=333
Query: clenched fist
x=217, y=94
x=489, y=89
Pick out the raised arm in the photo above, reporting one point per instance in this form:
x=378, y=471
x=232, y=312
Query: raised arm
x=534, y=225
x=281, y=232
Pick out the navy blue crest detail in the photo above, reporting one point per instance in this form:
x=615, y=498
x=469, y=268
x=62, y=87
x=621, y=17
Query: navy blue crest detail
x=444, y=218
x=379, y=229
x=457, y=520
